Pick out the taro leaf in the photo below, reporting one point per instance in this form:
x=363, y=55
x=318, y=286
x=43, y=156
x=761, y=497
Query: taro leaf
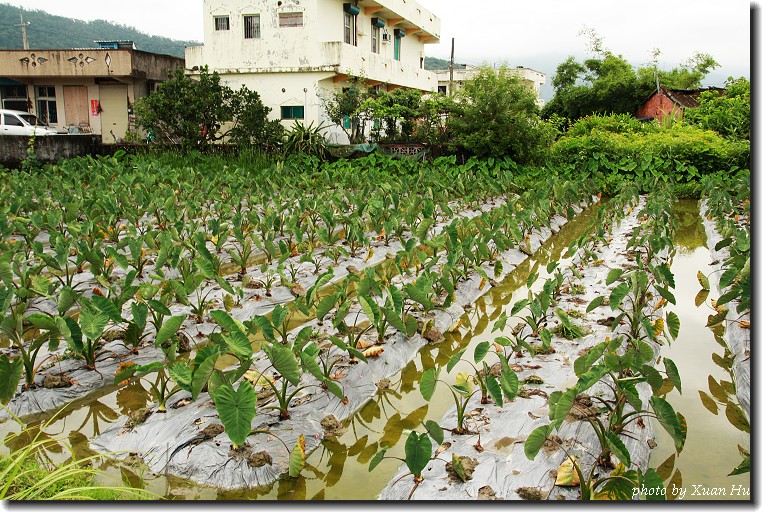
x=139, y=311
x=308, y=362
x=631, y=395
x=458, y=468
x=535, y=441
x=217, y=379
x=265, y=326
x=411, y=325
x=107, y=307
x=428, y=383
x=702, y=296
x=10, y=376
x=284, y=362
x=92, y=324
x=181, y=373
x=498, y=269
x=334, y=389
x=377, y=458
x=228, y=302
x=418, y=296
x=667, y=275
x=452, y=362
x=493, y=387
x=417, y=452
x=744, y=467
x=726, y=297
x=500, y=323
x=509, y=382
x=645, y=351
x=298, y=457
x=238, y=344
x=481, y=352
x=169, y=328
x=672, y=371
x=325, y=306
x=531, y=279
x=597, y=301
x=727, y=278
x=618, y=294
x=583, y=364
x=613, y=276
x=159, y=307
x=564, y=406
x=202, y=374
x=708, y=402
x=66, y=299
x=236, y=409
x=551, y=267
x=653, y=377
x=226, y=321
x=668, y=419
x=736, y=417
x=716, y=319
x=394, y=320
x=591, y=377
x=370, y=308
x=42, y=322
x=566, y=475
x=704, y=281
x=434, y=431
x=666, y=294
x=545, y=337
x=6, y=274
x=683, y=427
x=617, y=447
x=278, y=315
x=519, y=306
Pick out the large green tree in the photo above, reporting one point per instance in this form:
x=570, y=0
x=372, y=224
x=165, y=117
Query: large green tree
x=495, y=115
x=197, y=111
x=727, y=113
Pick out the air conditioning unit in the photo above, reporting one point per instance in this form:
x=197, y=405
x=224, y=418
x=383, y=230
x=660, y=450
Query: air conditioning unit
x=386, y=37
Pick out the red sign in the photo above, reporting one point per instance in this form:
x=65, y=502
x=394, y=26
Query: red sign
x=95, y=109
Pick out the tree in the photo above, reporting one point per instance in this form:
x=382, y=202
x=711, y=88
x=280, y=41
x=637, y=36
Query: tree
x=343, y=108
x=193, y=111
x=495, y=115
x=685, y=77
x=397, y=111
x=726, y=113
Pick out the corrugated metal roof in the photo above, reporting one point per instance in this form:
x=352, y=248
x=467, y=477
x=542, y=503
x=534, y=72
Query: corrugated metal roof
x=688, y=98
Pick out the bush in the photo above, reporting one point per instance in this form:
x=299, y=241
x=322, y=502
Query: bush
x=728, y=114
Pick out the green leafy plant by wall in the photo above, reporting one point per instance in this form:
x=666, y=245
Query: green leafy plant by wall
x=728, y=114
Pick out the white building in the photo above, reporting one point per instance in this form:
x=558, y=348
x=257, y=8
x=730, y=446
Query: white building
x=533, y=79
x=293, y=51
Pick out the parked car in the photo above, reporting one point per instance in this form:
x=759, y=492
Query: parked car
x=20, y=123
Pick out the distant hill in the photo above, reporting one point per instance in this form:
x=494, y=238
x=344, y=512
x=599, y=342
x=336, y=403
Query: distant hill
x=47, y=31
x=434, y=63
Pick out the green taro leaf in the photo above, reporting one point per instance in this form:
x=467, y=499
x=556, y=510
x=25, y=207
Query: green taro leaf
x=564, y=406
x=417, y=452
x=377, y=458
x=668, y=419
x=428, y=383
x=672, y=371
x=10, y=376
x=613, y=276
x=744, y=467
x=435, y=431
x=666, y=294
x=265, y=326
x=284, y=362
x=716, y=319
x=93, y=324
x=453, y=361
x=481, y=352
x=181, y=373
x=169, y=328
x=617, y=295
x=201, y=375
x=239, y=345
x=326, y=305
x=617, y=447
x=493, y=387
x=652, y=481
x=597, y=301
x=227, y=322
x=704, y=281
x=535, y=441
x=236, y=409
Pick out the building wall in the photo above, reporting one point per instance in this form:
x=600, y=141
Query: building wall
x=532, y=79
x=658, y=106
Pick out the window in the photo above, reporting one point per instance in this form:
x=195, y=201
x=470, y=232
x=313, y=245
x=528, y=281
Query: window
x=15, y=97
x=292, y=112
x=375, y=35
x=349, y=28
x=290, y=20
x=221, y=23
x=46, y=105
x=253, y=26
x=397, y=48
x=12, y=120
x=443, y=89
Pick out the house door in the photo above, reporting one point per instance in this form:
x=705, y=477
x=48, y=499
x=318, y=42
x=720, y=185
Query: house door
x=114, y=114
x=76, y=105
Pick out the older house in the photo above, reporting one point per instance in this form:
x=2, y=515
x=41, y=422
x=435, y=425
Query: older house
x=82, y=90
x=293, y=52
x=668, y=101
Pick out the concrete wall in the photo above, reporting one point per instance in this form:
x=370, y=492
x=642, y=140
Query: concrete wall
x=48, y=149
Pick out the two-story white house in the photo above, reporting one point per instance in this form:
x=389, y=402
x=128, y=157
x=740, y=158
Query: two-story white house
x=293, y=52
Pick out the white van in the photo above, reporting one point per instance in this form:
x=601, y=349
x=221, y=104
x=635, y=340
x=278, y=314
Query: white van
x=20, y=123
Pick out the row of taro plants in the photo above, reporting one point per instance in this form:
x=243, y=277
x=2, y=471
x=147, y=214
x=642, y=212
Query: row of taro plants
x=624, y=366
x=132, y=237
x=364, y=311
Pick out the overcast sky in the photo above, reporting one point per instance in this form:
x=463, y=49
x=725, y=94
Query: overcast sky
x=538, y=34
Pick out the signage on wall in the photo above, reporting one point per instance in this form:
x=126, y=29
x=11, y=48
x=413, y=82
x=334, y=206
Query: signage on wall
x=95, y=108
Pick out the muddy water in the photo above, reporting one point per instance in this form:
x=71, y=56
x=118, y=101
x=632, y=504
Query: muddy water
x=716, y=425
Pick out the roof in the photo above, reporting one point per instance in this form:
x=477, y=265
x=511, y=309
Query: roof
x=687, y=98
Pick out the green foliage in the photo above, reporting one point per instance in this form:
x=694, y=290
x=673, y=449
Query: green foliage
x=345, y=104
x=306, y=140
x=728, y=114
x=197, y=111
x=396, y=111
x=495, y=115
x=47, y=31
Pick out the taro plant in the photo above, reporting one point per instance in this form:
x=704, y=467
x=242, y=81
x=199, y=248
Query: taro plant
x=390, y=313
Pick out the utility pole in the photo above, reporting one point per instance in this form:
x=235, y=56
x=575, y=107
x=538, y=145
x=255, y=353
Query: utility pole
x=452, y=70
x=23, y=25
